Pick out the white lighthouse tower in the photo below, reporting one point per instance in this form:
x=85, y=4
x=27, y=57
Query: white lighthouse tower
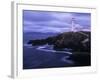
x=73, y=25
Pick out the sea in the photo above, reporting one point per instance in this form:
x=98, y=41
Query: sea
x=38, y=57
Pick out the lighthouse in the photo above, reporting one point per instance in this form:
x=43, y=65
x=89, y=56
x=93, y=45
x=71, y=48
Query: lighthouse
x=73, y=25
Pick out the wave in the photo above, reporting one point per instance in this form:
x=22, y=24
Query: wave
x=28, y=45
x=49, y=48
x=66, y=59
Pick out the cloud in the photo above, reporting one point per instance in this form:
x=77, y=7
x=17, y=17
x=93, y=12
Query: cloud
x=36, y=16
x=63, y=16
x=53, y=26
x=45, y=30
x=43, y=21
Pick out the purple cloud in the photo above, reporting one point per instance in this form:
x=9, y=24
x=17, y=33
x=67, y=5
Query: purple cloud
x=43, y=21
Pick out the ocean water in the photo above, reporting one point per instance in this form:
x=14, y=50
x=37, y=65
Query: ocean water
x=35, y=57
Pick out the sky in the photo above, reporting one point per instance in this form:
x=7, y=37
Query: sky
x=54, y=22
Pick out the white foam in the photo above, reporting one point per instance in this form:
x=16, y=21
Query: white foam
x=46, y=49
x=28, y=45
x=65, y=59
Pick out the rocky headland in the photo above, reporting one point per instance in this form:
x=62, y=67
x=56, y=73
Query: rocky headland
x=79, y=42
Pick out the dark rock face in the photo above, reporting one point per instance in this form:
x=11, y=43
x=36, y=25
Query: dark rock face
x=74, y=40
x=78, y=41
x=81, y=58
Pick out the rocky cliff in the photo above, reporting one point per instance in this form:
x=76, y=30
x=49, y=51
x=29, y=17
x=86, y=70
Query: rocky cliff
x=77, y=41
